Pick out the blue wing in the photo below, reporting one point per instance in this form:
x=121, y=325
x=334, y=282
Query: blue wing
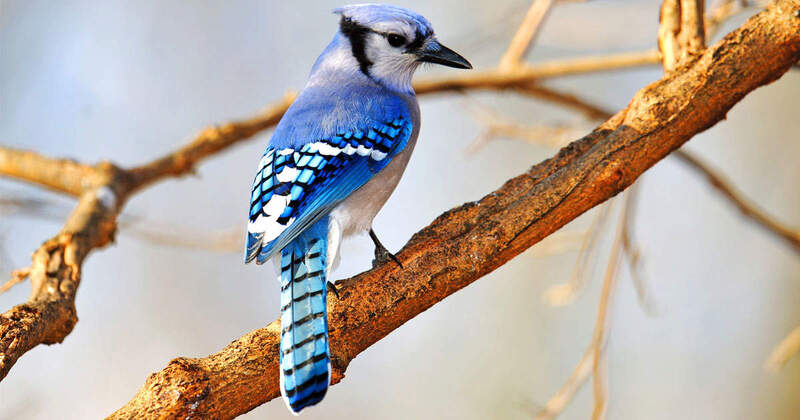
x=295, y=187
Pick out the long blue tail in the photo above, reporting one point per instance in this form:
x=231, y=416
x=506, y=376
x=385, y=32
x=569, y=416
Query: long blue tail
x=305, y=358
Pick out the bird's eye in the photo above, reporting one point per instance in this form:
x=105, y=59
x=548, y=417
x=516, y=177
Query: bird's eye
x=396, y=40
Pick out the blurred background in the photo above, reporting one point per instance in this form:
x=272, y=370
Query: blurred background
x=130, y=81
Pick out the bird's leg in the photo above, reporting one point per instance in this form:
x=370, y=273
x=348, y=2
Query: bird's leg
x=332, y=287
x=382, y=255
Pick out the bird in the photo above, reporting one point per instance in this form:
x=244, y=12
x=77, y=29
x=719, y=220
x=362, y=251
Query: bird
x=335, y=157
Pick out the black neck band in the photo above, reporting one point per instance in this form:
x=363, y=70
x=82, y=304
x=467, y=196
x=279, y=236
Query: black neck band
x=357, y=35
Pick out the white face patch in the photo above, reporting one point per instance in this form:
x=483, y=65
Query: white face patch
x=392, y=66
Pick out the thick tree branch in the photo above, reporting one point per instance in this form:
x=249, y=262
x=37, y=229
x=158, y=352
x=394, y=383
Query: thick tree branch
x=472, y=240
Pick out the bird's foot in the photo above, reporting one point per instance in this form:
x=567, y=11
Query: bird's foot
x=382, y=255
x=332, y=287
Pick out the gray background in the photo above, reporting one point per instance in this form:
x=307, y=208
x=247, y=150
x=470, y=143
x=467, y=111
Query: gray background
x=129, y=81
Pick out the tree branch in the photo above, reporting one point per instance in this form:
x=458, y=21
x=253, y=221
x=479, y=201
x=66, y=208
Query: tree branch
x=470, y=241
x=784, y=351
x=496, y=79
x=670, y=26
x=692, y=36
x=790, y=236
x=62, y=175
x=525, y=34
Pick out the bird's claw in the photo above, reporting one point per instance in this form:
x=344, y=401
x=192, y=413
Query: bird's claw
x=332, y=287
x=382, y=255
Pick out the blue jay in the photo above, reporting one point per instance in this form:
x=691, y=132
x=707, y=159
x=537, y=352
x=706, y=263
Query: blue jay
x=331, y=164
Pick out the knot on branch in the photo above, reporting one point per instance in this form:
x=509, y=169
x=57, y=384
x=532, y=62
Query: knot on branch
x=179, y=389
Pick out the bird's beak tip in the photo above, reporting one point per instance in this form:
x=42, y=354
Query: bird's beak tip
x=444, y=56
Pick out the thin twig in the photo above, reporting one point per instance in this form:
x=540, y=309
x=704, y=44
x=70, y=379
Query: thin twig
x=225, y=240
x=788, y=348
x=601, y=327
x=564, y=396
x=596, y=351
x=790, y=236
x=633, y=254
x=719, y=182
x=17, y=276
x=497, y=126
x=559, y=243
x=494, y=79
x=720, y=13
x=568, y=100
x=563, y=294
x=525, y=35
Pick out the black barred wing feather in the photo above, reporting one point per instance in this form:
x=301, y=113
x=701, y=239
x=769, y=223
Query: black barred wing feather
x=295, y=187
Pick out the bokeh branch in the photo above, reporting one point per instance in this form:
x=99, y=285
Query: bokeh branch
x=790, y=236
x=470, y=241
x=525, y=34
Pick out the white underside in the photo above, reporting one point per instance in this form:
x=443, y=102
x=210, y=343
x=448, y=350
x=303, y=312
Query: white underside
x=355, y=214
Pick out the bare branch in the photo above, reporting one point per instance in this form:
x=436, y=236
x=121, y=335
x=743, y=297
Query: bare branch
x=718, y=181
x=17, y=276
x=715, y=17
x=62, y=175
x=590, y=110
x=564, y=396
x=602, y=322
x=692, y=35
x=563, y=294
x=668, y=33
x=748, y=209
x=495, y=79
x=526, y=32
x=474, y=239
x=634, y=255
x=784, y=351
x=207, y=143
x=596, y=351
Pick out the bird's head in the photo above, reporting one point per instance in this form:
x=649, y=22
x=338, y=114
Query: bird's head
x=388, y=43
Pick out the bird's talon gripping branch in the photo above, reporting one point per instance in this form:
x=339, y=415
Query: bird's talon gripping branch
x=382, y=255
x=332, y=287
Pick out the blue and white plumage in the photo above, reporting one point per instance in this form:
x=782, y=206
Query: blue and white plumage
x=331, y=164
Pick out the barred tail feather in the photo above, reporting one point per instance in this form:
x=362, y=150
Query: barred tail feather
x=305, y=358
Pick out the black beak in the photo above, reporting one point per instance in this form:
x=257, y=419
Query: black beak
x=439, y=54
